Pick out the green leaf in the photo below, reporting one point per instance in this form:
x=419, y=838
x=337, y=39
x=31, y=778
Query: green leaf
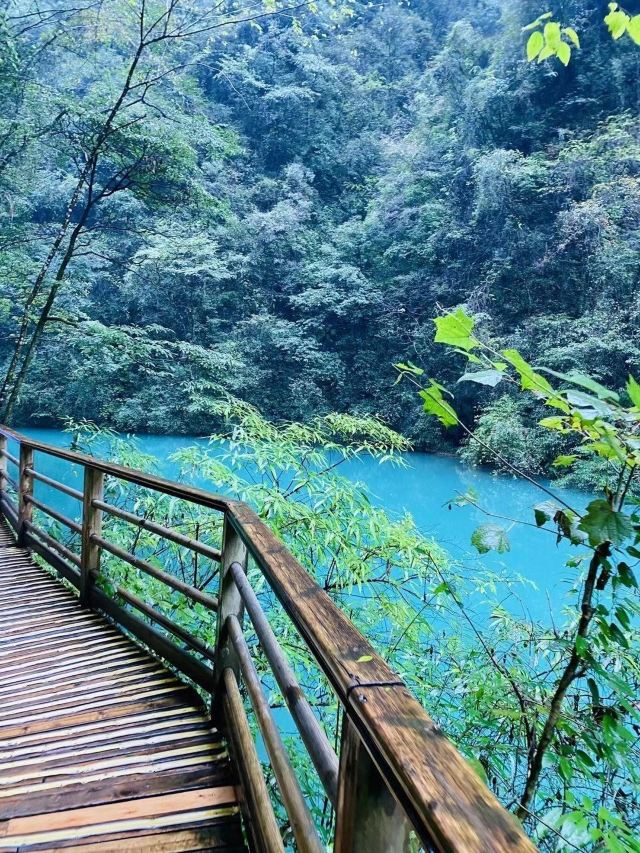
x=603, y=449
x=529, y=379
x=545, y=53
x=552, y=34
x=618, y=635
x=564, y=461
x=584, y=381
x=364, y=659
x=563, y=52
x=490, y=537
x=435, y=404
x=616, y=21
x=483, y=377
x=554, y=422
x=535, y=44
x=572, y=34
x=537, y=22
x=589, y=407
x=633, y=28
x=626, y=575
x=603, y=524
x=593, y=689
x=409, y=367
x=478, y=767
x=622, y=615
x=565, y=769
x=582, y=647
x=567, y=523
x=633, y=390
x=455, y=328
x=544, y=512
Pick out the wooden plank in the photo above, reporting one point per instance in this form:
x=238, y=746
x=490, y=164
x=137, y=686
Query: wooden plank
x=63, y=602
x=99, y=699
x=185, y=663
x=97, y=683
x=110, y=712
x=44, y=761
x=63, y=650
x=14, y=629
x=61, y=783
x=213, y=773
x=88, y=665
x=171, y=810
x=78, y=725
x=143, y=807
x=121, y=735
x=100, y=746
x=79, y=630
x=19, y=775
x=222, y=835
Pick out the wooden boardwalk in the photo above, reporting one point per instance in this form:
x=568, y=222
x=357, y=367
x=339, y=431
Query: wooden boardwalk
x=101, y=747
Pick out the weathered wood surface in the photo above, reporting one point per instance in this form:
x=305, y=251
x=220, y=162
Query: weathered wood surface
x=448, y=804
x=450, y=808
x=101, y=747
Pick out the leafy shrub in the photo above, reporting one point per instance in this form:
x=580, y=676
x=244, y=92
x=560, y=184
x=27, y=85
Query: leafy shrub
x=506, y=426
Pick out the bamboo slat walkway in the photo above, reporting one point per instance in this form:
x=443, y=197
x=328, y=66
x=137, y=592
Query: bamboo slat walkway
x=101, y=747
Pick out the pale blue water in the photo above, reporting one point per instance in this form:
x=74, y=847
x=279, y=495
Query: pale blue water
x=424, y=488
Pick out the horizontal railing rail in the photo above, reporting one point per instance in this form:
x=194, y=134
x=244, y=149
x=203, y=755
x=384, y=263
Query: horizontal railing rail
x=396, y=772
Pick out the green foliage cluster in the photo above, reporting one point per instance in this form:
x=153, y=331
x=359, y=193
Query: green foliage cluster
x=550, y=39
x=488, y=677
x=600, y=638
x=508, y=424
x=298, y=198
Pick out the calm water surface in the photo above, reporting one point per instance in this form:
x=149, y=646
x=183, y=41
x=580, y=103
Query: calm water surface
x=424, y=488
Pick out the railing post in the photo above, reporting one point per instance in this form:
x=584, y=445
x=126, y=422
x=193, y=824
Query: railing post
x=368, y=816
x=91, y=526
x=25, y=490
x=3, y=464
x=229, y=603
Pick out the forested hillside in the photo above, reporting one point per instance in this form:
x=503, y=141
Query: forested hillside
x=281, y=205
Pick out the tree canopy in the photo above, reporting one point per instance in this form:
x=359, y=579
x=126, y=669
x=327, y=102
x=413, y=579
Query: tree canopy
x=277, y=205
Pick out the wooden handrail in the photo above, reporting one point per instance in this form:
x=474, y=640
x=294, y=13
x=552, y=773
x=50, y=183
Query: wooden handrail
x=389, y=741
x=120, y=472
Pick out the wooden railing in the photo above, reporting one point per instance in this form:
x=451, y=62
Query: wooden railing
x=396, y=772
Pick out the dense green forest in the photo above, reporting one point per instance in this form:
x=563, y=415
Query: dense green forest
x=279, y=206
